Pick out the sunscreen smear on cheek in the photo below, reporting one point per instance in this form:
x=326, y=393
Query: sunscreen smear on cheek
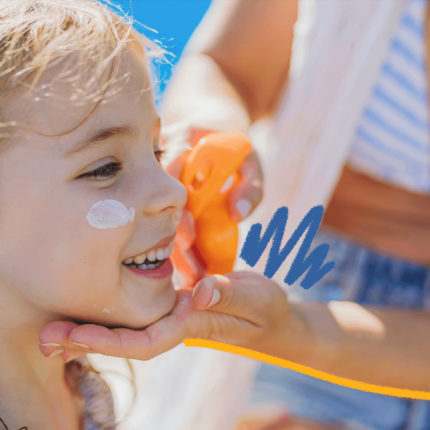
x=109, y=214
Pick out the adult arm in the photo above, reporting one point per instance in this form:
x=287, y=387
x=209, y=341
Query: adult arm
x=377, y=345
x=235, y=66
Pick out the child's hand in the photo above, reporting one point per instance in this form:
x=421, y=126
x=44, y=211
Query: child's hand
x=240, y=308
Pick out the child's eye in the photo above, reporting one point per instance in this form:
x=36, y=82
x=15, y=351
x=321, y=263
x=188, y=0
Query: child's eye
x=106, y=171
x=159, y=154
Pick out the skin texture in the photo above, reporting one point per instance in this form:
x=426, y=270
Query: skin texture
x=226, y=104
x=254, y=312
x=54, y=265
x=231, y=97
x=243, y=50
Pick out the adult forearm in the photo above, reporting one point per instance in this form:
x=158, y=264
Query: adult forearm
x=376, y=345
x=235, y=66
x=202, y=96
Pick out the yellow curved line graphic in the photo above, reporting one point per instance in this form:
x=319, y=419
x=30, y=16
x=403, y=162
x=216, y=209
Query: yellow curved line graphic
x=350, y=383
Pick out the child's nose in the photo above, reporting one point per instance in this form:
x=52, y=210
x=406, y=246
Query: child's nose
x=168, y=195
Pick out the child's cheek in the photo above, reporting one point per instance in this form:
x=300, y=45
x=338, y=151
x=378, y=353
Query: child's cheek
x=89, y=260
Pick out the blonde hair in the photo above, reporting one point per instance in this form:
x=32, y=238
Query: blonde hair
x=38, y=34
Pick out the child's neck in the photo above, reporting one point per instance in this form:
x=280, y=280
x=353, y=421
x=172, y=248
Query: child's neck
x=33, y=390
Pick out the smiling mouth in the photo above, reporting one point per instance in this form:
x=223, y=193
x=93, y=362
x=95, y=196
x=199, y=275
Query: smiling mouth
x=153, y=258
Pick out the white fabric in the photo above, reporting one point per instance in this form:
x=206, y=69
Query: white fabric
x=337, y=50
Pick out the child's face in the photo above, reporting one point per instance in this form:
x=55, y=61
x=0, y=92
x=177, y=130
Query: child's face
x=51, y=258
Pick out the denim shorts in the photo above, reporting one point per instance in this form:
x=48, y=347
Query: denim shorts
x=364, y=276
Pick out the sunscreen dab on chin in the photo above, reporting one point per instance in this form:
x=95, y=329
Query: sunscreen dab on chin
x=109, y=214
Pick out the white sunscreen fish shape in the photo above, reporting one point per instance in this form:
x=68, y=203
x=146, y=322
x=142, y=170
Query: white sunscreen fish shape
x=109, y=214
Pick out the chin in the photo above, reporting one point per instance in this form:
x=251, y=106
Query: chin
x=140, y=317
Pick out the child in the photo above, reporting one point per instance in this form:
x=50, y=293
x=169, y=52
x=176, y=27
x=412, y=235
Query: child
x=87, y=214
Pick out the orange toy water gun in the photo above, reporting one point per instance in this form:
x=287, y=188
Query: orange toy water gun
x=209, y=173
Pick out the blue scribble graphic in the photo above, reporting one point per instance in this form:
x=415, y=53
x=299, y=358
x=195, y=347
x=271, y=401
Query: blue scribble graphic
x=255, y=245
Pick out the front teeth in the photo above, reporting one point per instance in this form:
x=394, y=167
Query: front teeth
x=139, y=259
x=151, y=256
x=161, y=254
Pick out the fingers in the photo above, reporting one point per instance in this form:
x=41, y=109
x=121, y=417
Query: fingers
x=188, y=266
x=194, y=135
x=175, y=167
x=237, y=308
x=126, y=343
x=54, y=341
x=68, y=340
x=245, y=196
x=186, y=232
x=183, y=256
x=143, y=344
x=242, y=294
x=54, y=335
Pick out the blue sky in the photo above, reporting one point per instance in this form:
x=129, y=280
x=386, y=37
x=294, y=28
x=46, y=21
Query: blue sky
x=174, y=20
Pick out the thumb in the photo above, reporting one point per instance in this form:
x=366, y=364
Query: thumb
x=207, y=293
x=232, y=294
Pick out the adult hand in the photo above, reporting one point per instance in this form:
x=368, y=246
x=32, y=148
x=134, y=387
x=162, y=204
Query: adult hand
x=241, y=308
x=242, y=201
x=247, y=194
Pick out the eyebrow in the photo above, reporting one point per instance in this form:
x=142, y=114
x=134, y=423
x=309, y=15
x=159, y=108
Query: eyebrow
x=103, y=135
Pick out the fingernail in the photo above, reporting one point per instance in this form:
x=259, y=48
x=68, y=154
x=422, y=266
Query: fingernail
x=216, y=296
x=202, y=285
x=80, y=344
x=203, y=292
x=244, y=207
x=50, y=344
x=56, y=352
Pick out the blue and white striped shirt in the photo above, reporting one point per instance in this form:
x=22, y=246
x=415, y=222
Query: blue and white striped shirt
x=391, y=141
